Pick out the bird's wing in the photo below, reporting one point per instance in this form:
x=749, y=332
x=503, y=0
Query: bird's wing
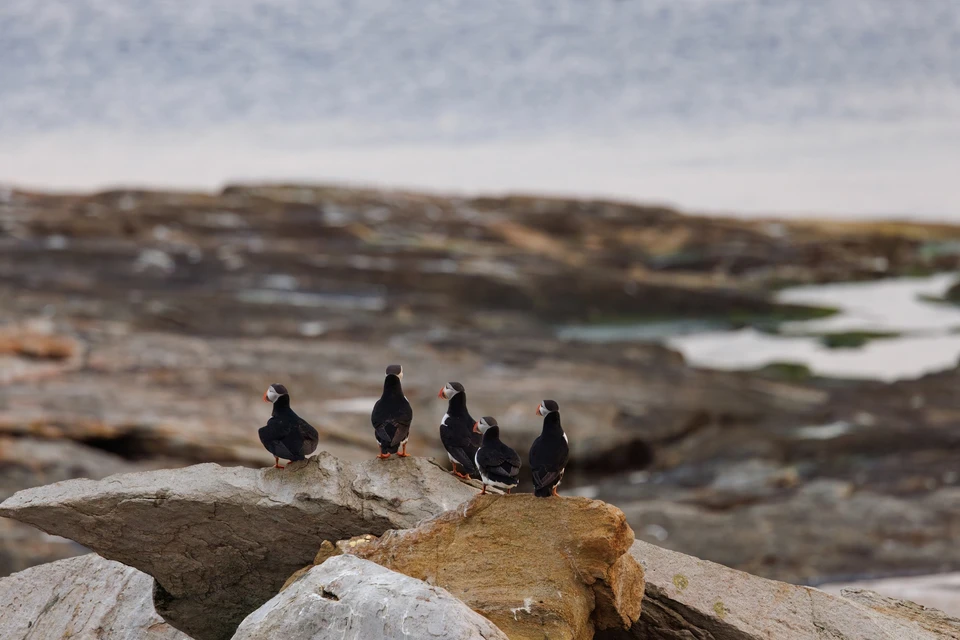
x=384, y=431
x=543, y=477
x=392, y=427
x=273, y=430
x=457, y=433
x=464, y=457
x=309, y=435
x=502, y=460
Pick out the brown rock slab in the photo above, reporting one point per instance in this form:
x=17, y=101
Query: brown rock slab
x=221, y=541
x=538, y=568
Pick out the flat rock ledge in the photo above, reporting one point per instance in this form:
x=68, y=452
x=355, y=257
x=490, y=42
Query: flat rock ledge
x=347, y=598
x=86, y=597
x=221, y=541
x=688, y=598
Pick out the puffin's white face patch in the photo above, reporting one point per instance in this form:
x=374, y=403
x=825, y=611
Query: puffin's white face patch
x=542, y=410
x=271, y=394
x=400, y=375
x=449, y=392
x=483, y=426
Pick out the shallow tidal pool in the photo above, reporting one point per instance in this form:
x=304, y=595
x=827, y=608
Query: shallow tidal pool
x=904, y=332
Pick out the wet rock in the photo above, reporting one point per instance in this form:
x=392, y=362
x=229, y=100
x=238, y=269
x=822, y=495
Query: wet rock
x=221, y=541
x=535, y=567
x=347, y=598
x=85, y=597
x=691, y=598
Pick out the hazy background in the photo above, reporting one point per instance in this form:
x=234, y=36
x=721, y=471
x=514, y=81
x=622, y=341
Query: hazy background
x=740, y=106
x=779, y=396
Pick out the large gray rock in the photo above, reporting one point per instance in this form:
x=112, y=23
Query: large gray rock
x=87, y=598
x=347, y=598
x=687, y=598
x=221, y=541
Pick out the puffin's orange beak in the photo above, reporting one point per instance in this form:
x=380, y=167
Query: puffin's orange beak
x=476, y=427
x=440, y=395
x=265, y=397
x=537, y=412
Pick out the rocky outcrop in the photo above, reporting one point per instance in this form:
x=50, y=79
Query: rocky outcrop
x=85, y=598
x=536, y=567
x=928, y=618
x=221, y=541
x=939, y=591
x=821, y=529
x=691, y=598
x=347, y=598
x=26, y=462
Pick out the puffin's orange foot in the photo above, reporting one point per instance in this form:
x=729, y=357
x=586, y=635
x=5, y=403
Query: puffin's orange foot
x=508, y=491
x=555, y=491
x=461, y=475
x=403, y=452
x=276, y=463
x=383, y=456
x=484, y=492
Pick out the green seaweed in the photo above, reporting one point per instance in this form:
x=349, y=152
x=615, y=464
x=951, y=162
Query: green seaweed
x=854, y=339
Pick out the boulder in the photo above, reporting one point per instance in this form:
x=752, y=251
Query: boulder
x=347, y=598
x=28, y=462
x=537, y=568
x=221, y=541
x=86, y=597
x=688, y=598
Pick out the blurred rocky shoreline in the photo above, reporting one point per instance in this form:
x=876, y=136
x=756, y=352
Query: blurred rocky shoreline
x=138, y=331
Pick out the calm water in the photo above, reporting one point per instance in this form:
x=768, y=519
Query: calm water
x=746, y=105
x=927, y=333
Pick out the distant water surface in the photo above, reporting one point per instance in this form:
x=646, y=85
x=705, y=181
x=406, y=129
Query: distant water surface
x=749, y=106
x=924, y=335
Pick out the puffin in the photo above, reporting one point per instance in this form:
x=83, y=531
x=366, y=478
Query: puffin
x=549, y=452
x=286, y=434
x=498, y=464
x=456, y=430
x=392, y=416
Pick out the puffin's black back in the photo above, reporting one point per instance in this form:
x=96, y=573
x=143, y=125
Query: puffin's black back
x=496, y=460
x=392, y=416
x=548, y=456
x=457, y=435
x=287, y=435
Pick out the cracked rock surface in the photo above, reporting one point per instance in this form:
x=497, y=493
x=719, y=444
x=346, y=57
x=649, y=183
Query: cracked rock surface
x=221, y=541
x=691, y=599
x=86, y=597
x=538, y=568
x=347, y=598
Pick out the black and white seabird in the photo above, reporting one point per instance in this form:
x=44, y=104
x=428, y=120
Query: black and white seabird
x=550, y=452
x=498, y=464
x=286, y=434
x=456, y=430
x=392, y=415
